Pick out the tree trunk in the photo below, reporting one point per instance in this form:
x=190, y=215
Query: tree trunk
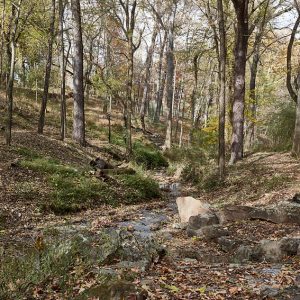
x=48, y=72
x=292, y=93
x=193, y=97
x=147, y=77
x=2, y=42
x=296, y=139
x=240, y=53
x=11, y=47
x=63, y=109
x=170, y=83
x=161, y=80
x=222, y=91
x=78, y=88
x=10, y=86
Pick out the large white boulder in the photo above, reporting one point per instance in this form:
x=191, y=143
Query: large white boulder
x=189, y=206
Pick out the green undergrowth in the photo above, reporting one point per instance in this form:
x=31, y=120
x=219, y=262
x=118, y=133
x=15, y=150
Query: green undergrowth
x=75, y=189
x=20, y=275
x=148, y=156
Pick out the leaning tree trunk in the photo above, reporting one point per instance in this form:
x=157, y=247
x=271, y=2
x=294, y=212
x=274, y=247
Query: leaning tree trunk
x=289, y=85
x=78, y=88
x=240, y=53
x=48, y=72
x=296, y=139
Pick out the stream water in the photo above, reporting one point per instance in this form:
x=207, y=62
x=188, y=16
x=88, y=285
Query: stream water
x=151, y=221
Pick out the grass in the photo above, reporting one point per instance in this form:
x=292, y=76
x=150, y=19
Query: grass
x=19, y=274
x=74, y=189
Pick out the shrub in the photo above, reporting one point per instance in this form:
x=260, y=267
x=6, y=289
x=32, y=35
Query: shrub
x=138, y=188
x=148, y=156
x=192, y=173
x=280, y=127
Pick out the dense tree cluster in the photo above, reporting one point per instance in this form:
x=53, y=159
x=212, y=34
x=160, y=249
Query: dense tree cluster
x=216, y=67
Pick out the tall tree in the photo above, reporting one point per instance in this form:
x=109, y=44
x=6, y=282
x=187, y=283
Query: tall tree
x=78, y=82
x=170, y=75
x=296, y=138
x=148, y=66
x=2, y=40
x=222, y=91
x=161, y=78
x=48, y=70
x=11, y=55
x=62, y=72
x=128, y=28
x=240, y=55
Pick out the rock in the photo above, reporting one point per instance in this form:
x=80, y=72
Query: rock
x=205, y=219
x=234, y=213
x=15, y=163
x=100, y=164
x=285, y=212
x=189, y=206
x=269, y=250
x=115, y=290
x=227, y=244
x=289, y=246
x=269, y=292
x=296, y=198
x=179, y=226
x=209, y=232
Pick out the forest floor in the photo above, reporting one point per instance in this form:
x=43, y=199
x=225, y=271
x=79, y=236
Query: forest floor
x=193, y=268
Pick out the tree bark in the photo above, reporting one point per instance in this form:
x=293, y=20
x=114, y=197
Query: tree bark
x=11, y=47
x=161, y=80
x=193, y=97
x=48, y=71
x=240, y=53
x=222, y=91
x=63, y=109
x=78, y=85
x=170, y=82
x=148, y=64
x=162, y=75
x=2, y=41
x=296, y=139
x=292, y=93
